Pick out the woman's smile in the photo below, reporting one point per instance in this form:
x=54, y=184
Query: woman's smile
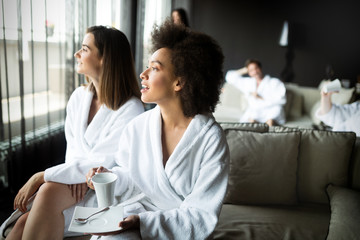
x=144, y=88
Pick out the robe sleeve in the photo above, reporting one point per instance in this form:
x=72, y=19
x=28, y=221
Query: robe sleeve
x=274, y=93
x=102, y=154
x=342, y=117
x=197, y=216
x=244, y=84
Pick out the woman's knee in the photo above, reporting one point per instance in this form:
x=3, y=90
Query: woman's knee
x=48, y=189
x=52, y=192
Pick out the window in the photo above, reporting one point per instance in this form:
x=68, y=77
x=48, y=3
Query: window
x=37, y=66
x=38, y=39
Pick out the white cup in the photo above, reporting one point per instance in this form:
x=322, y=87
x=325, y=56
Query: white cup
x=333, y=86
x=104, y=184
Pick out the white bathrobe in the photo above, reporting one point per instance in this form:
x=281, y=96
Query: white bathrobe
x=184, y=199
x=273, y=92
x=343, y=117
x=90, y=145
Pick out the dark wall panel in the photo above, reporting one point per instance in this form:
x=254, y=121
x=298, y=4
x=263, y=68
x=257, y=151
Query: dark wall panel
x=323, y=33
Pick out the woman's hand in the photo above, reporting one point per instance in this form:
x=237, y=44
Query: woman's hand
x=131, y=222
x=256, y=95
x=29, y=188
x=91, y=173
x=78, y=191
x=325, y=102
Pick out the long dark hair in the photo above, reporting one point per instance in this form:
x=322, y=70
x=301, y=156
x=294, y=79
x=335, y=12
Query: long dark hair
x=118, y=82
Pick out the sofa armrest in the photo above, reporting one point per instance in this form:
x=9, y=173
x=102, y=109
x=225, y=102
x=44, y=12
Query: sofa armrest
x=345, y=213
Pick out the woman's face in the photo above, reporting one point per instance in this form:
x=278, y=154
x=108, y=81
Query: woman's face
x=255, y=71
x=176, y=17
x=88, y=58
x=159, y=84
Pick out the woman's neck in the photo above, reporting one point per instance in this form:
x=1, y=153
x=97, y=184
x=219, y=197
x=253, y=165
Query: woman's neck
x=174, y=125
x=173, y=116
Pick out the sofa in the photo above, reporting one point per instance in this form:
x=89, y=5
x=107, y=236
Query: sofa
x=301, y=104
x=290, y=183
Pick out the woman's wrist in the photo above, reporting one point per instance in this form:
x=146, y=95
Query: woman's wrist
x=325, y=103
x=39, y=178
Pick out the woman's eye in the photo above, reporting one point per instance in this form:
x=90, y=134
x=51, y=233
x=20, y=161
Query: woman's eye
x=154, y=68
x=84, y=49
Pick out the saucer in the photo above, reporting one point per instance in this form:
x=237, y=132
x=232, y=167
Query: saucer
x=107, y=221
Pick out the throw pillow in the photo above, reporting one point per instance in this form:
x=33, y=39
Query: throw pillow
x=263, y=167
x=345, y=213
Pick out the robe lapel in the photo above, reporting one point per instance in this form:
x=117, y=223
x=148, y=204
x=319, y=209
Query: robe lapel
x=164, y=188
x=177, y=162
x=197, y=127
x=263, y=83
x=90, y=133
x=84, y=118
x=95, y=127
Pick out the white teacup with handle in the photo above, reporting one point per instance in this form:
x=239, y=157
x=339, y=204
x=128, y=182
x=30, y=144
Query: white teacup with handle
x=333, y=86
x=104, y=184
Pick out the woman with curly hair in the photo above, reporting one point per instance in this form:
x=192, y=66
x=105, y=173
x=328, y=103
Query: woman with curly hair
x=176, y=154
x=97, y=113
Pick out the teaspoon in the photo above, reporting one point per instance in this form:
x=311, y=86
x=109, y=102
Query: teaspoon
x=84, y=220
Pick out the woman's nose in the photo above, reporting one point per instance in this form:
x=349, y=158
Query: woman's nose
x=77, y=54
x=143, y=75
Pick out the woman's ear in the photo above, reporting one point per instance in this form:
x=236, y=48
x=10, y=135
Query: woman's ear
x=178, y=84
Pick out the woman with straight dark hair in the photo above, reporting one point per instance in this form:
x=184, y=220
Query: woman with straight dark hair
x=96, y=116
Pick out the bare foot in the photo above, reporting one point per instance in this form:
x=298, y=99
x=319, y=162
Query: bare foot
x=270, y=122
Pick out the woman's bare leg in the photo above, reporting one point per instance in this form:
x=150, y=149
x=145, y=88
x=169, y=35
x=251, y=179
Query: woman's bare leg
x=17, y=231
x=46, y=219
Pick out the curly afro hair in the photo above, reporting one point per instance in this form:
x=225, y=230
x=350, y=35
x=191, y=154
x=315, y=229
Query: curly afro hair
x=197, y=60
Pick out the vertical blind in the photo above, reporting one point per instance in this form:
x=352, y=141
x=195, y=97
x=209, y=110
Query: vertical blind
x=37, y=68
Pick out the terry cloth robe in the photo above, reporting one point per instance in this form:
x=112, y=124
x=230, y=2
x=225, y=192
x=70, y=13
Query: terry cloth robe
x=90, y=145
x=273, y=92
x=184, y=198
x=343, y=117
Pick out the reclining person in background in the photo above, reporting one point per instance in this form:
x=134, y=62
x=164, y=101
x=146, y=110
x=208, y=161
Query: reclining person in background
x=175, y=154
x=96, y=116
x=266, y=96
x=340, y=117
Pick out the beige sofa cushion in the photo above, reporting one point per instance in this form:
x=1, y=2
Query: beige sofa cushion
x=323, y=158
x=345, y=213
x=262, y=167
x=300, y=222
